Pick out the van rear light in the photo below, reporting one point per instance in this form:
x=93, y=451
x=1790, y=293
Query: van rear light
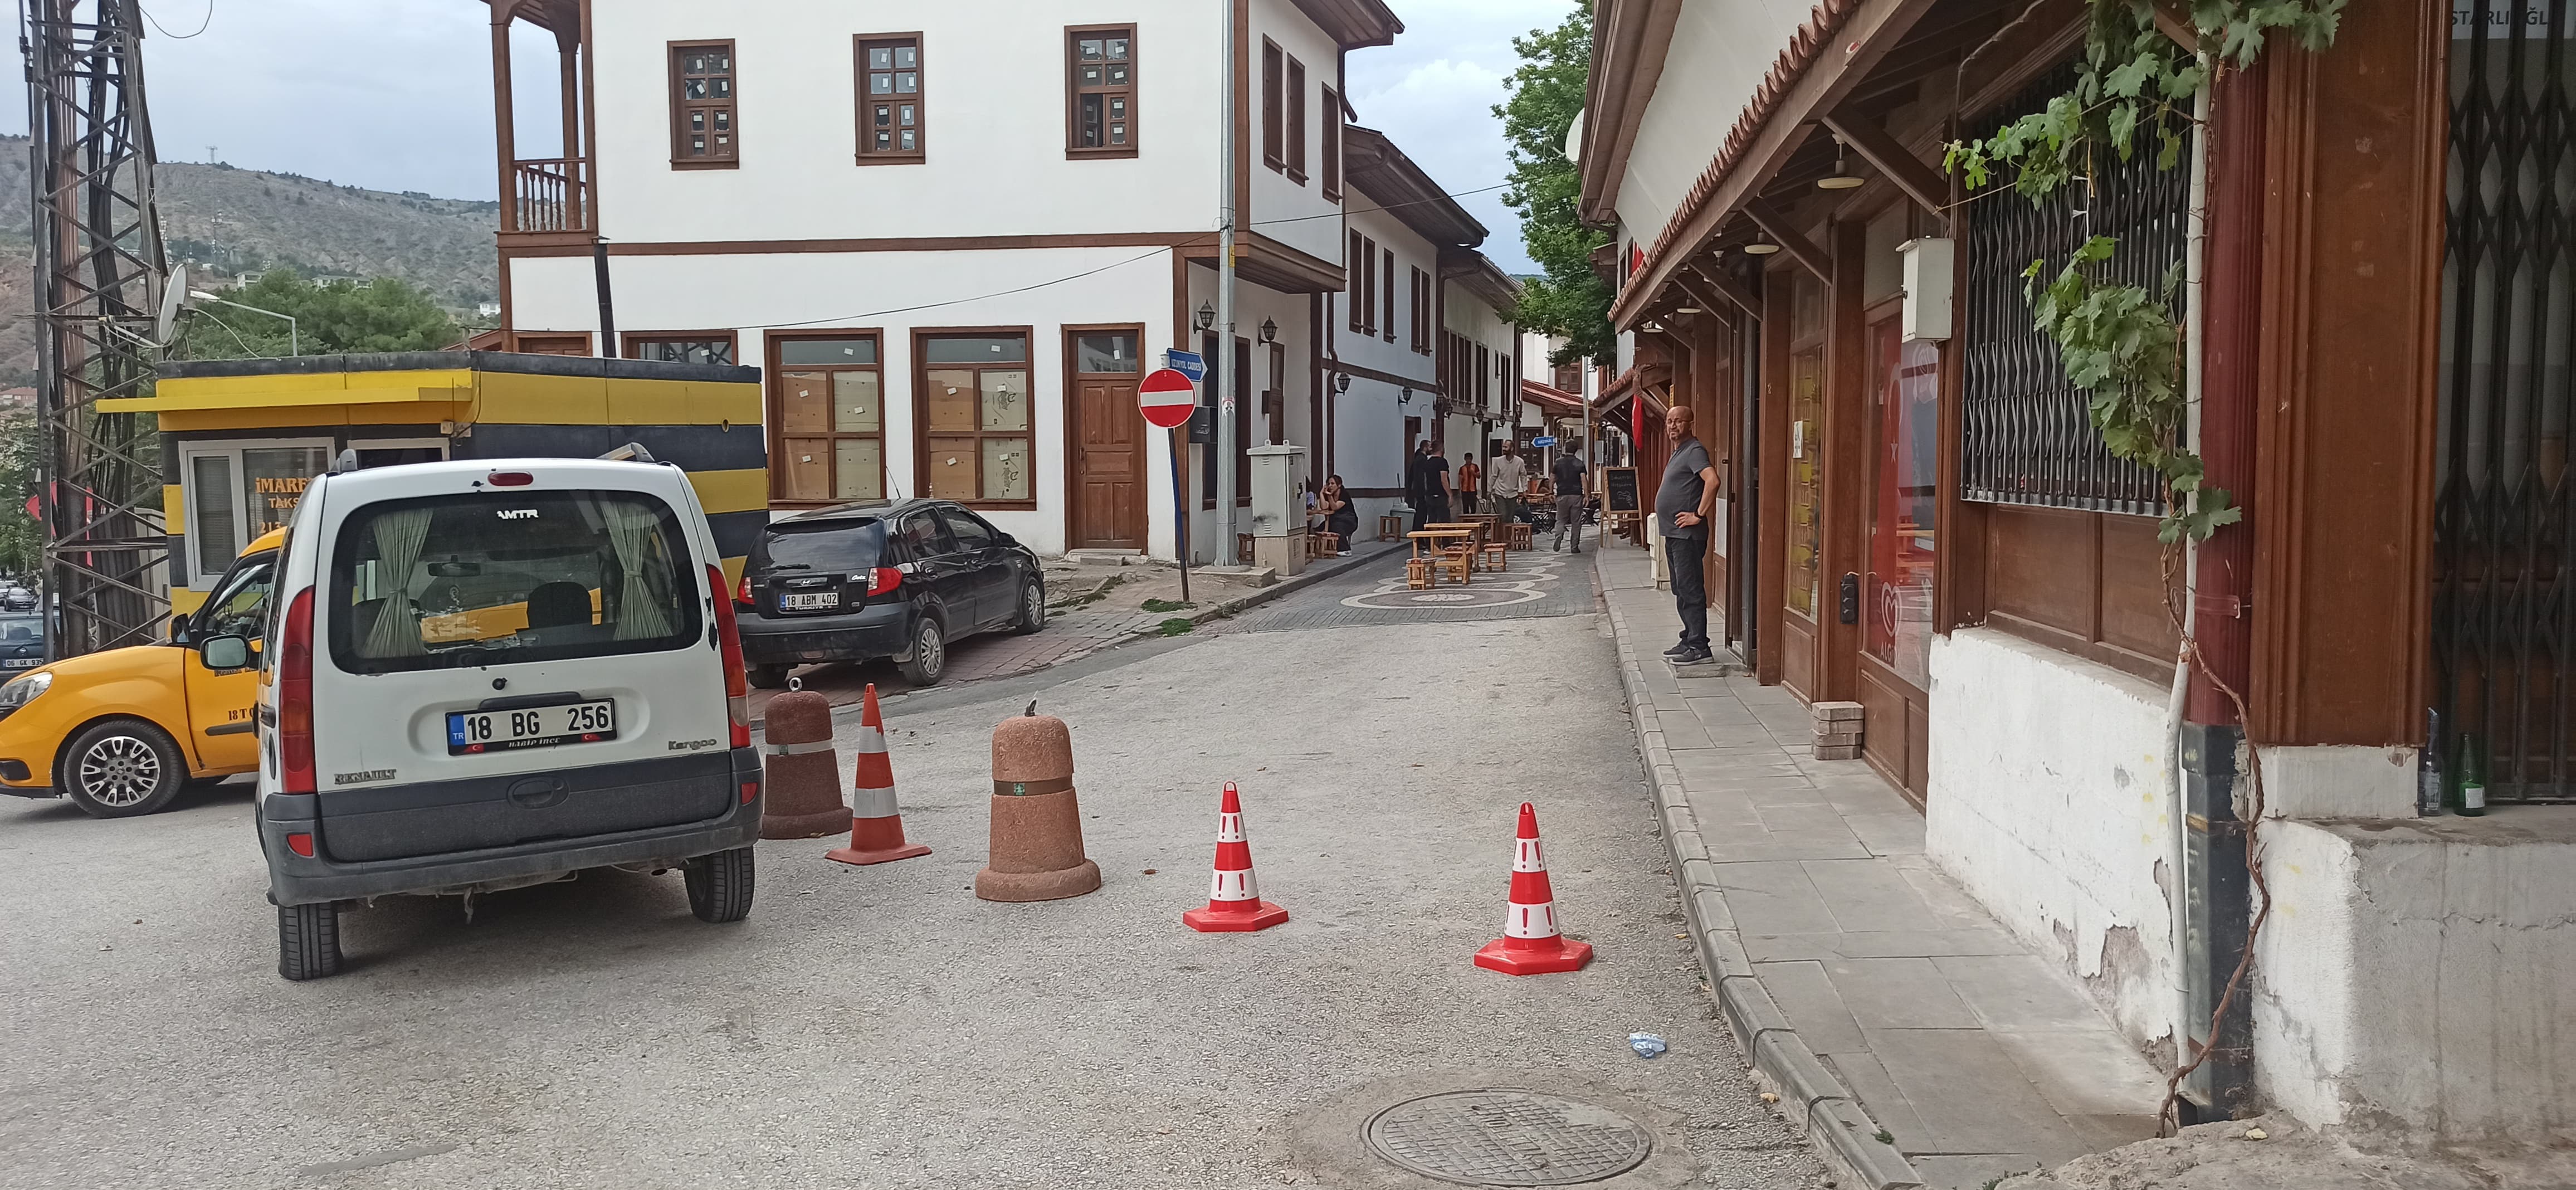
x=295, y=696
x=510, y=479
x=301, y=844
x=884, y=579
x=729, y=648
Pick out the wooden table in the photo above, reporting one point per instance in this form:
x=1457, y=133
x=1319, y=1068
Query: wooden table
x=1424, y=567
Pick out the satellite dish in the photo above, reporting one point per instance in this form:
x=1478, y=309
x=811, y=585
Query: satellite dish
x=171, y=294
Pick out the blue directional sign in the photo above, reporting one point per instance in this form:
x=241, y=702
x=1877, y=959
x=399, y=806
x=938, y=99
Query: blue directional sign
x=1187, y=363
x=1543, y=440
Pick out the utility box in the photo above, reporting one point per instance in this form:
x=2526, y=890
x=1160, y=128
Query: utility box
x=1928, y=277
x=1278, y=508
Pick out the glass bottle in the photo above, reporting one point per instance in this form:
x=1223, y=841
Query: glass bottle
x=2473, y=776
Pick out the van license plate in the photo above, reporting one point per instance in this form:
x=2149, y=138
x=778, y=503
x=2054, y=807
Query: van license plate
x=808, y=601
x=474, y=732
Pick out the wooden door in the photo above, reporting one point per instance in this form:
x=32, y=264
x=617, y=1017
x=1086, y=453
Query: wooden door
x=1108, y=506
x=1896, y=580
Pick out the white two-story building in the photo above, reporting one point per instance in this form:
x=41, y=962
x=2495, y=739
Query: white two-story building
x=955, y=237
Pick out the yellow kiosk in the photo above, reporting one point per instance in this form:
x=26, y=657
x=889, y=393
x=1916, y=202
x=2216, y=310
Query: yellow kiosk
x=240, y=439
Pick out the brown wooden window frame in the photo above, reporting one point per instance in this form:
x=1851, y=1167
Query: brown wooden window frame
x=634, y=343
x=1355, y=277
x=1295, y=157
x=774, y=353
x=1329, y=151
x=1273, y=61
x=1389, y=280
x=922, y=432
x=864, y=99
x=1074, y=90
x=1368, y=273
x=681, y=105
x=1421, y=321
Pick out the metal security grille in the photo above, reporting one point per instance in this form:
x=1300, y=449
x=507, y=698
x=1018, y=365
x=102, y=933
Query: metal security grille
x=2025, y=435
x=2504, y=610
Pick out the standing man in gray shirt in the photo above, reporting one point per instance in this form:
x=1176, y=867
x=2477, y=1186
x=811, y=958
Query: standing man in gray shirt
x=1505, y=476
x=1568, y=477
x=1682, y=507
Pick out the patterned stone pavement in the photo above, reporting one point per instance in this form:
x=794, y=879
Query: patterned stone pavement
x=1537, y=583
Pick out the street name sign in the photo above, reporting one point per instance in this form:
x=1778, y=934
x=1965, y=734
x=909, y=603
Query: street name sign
x=1167, y=397
x=1187, y=363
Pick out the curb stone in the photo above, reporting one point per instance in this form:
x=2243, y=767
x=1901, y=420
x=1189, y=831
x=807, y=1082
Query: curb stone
x=1828, y=1112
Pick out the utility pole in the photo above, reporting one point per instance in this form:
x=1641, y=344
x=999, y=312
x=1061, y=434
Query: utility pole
x=1225, y=378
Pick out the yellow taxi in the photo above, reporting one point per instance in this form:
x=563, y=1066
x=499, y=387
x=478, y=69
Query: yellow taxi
x=120, y=732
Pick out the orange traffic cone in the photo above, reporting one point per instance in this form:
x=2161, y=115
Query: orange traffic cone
x=1234, y=896
x=1530, y=944
x=876, y=824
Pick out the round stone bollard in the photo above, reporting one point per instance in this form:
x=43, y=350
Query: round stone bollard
x=1037, y=818
x=804, y=772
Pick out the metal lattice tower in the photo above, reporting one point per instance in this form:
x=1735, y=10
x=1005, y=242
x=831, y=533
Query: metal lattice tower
x=99, y=280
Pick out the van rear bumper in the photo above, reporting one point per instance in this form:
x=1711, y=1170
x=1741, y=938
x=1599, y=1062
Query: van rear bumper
x=304, y=880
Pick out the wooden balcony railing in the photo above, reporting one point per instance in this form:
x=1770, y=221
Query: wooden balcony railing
x=551, y=195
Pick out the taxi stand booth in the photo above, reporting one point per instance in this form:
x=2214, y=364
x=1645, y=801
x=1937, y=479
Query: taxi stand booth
x=240, y=439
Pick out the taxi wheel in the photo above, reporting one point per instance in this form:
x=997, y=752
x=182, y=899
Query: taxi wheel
x=121, y=768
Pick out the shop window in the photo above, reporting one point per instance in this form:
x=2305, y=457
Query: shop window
x=702, y=112
x=1806, y=446
x=1897, y=598
x=1101, y=70
x=707, y=347
x=236, y=491
x=973, y=418
x=890, y=104
x=827, y=418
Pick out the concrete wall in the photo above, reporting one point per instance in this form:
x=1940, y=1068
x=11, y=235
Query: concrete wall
x=2422, y=973
x=2049, y=801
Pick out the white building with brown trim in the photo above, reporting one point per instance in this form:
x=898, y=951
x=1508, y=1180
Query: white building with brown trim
x=955, y=246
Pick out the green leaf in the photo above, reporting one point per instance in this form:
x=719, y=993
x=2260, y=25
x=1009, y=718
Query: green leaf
x=2131, y=78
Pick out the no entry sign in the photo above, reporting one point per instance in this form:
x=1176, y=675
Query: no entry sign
x=1167, y=397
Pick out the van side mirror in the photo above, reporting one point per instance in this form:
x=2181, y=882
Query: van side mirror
x=225, y=652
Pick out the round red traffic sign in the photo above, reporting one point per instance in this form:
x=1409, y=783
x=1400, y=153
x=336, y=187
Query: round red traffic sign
x=1166, y=397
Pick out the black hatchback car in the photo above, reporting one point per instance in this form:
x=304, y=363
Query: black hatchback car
x=883, y=578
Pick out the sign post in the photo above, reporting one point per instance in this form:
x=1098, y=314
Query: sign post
x=1167, y=398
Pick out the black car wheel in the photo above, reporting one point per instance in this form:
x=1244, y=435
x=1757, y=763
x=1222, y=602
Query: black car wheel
x=929, y=654
x=720, y=885
x=769, y=677
x=1032, y=608
x=121, y=768
x=308, y=941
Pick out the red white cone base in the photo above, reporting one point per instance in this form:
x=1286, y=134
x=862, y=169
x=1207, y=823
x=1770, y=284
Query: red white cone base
x=1540, y=956
x=1234, y=917
x=876, y=841
x=864, y=858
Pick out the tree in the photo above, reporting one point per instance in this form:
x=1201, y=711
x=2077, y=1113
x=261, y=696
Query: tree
x=1543, y=96
x=383, y=314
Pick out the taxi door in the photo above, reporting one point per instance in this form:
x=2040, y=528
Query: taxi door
x=219, y=701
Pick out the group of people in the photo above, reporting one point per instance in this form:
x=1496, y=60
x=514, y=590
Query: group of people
x=1427, y=487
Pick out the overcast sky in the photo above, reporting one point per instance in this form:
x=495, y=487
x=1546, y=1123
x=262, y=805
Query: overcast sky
x=397, y=94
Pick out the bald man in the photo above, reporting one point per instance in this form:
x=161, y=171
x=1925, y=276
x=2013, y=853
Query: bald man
x=1682, y=506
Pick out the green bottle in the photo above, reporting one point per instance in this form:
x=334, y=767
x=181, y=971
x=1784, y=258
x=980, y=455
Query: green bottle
x=2473, y=776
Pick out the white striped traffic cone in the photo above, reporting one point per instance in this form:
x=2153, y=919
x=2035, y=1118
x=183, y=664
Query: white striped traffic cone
x=1234, y=894
x=876, y=823
x=1530, y=944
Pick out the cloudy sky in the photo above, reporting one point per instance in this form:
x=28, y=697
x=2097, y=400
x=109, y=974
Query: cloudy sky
x=396, y=94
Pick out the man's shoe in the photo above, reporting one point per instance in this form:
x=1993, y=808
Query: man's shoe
x=1681, y=650
x=1695, y=657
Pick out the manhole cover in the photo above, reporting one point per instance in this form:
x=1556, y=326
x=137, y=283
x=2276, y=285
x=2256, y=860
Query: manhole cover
x=1505, y=1137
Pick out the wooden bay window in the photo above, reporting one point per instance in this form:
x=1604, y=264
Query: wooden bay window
x=972, y=416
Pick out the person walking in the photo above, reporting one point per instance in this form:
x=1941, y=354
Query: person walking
x=1505, y=478
x=1469, y=475
x=1568, y=476
x=1435, y=487
x=1682, y=508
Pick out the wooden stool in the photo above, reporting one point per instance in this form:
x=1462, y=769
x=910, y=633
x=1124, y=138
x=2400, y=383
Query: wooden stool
x=1520, y=535
x=1497, y=556
x=1323, y=545
x=1458, y=561
x=1243, y=548
x=1390, y=527
x=1417, y=574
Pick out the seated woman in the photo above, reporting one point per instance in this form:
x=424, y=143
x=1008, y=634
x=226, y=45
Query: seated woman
x=1341, y=517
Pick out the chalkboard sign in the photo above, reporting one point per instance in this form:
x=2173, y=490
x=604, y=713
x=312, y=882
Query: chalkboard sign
x=1621, y=483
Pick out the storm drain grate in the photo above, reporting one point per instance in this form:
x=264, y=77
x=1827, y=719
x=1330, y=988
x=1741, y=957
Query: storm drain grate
x=1501, y=1136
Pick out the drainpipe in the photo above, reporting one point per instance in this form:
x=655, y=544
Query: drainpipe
x=2217, y=888
x=2177, y=812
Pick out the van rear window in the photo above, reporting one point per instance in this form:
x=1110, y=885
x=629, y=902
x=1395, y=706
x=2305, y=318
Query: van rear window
x=499, y=578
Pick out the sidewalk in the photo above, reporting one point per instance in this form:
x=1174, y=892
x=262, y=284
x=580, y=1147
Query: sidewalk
x=1915, y=1040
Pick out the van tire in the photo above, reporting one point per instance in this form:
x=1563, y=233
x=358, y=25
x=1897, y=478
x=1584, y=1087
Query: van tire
x=120, y=768
x=1032, y=615
x=308, y=941
x=929, y=660
x=769, y=677
x=720, y=885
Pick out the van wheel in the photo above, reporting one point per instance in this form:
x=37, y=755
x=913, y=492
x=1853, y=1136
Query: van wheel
x=121, y=768
x=308, y=941
x=769, y=677
x=720, y=885
x=929, y=654
x=1032, y=608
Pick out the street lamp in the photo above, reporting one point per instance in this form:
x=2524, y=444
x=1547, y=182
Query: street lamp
x=1269, y=331
x=1207, y=316
x=1404, y=396
x=294, y=345
x=1341, y=382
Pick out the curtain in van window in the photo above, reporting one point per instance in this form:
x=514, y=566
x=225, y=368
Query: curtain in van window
x=399, y=534
x=635, y=533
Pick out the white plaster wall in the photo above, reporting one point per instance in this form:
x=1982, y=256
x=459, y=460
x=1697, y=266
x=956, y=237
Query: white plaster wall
x=1368, y=444
x=2049, y=801
x=1282, y=209
x=2422, y=974
x=993, y=123
x=1254, y=304
x=1411, y=252
x=1720, y=51
x=1468, y=315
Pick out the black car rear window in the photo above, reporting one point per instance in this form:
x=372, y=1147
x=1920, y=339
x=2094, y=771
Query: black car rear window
x=832, y=543
x=499, y=578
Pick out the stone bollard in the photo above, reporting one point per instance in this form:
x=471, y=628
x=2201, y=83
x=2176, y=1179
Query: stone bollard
x=804, y=772
x=1037, y=820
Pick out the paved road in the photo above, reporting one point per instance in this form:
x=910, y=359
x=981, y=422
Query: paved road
x=882, y=1027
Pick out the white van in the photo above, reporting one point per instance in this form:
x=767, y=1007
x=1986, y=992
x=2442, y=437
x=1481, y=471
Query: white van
x=484, y=675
